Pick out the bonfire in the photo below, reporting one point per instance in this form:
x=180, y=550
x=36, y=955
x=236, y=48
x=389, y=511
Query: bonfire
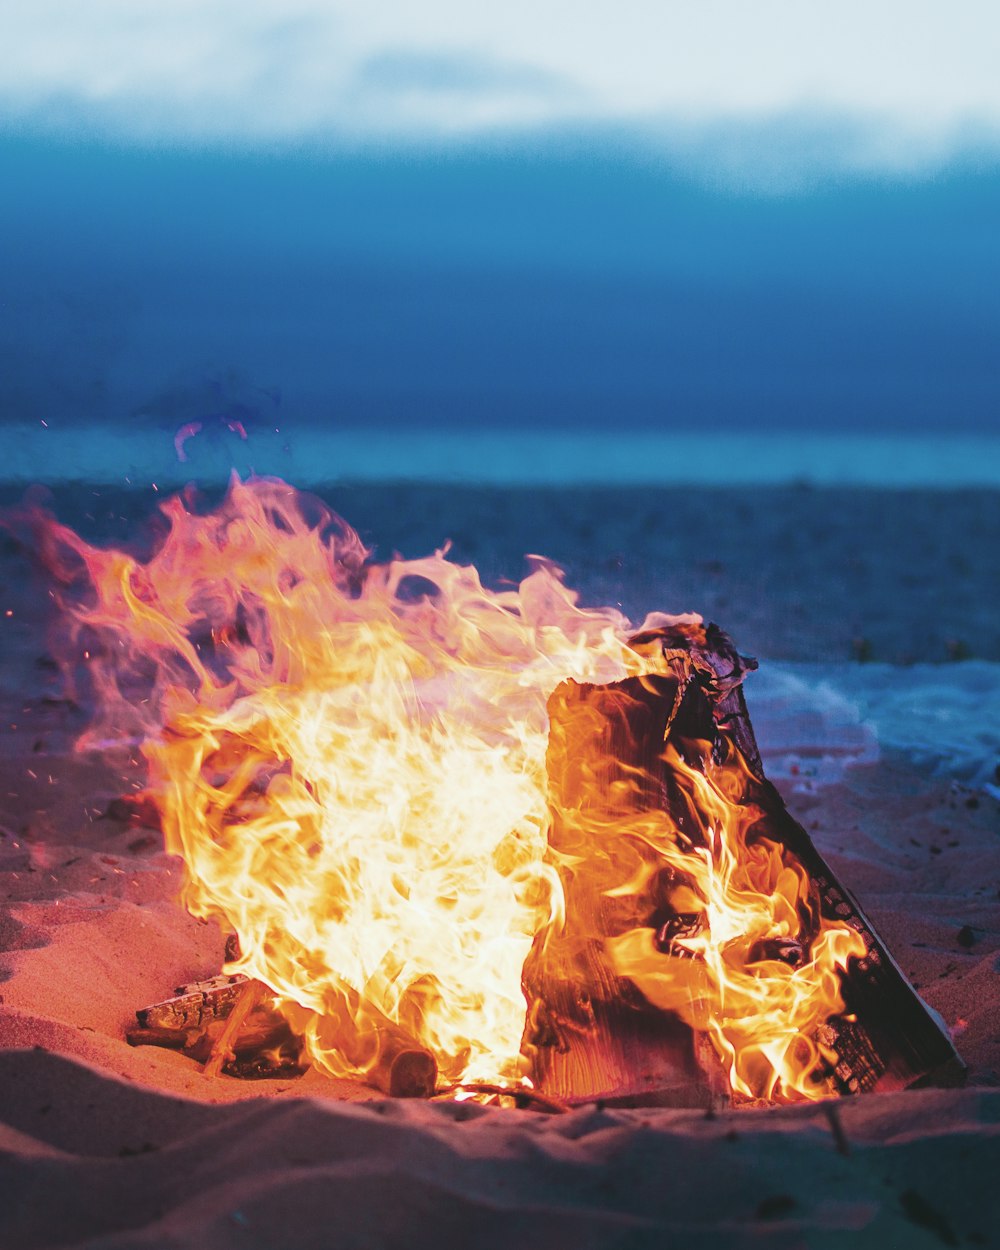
x=470, y=842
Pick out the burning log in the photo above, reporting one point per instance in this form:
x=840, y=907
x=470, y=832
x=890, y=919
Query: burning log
x=229, y=1024
x=676, y=750
x=226, y=1023
x=403, y=1069
x=589, y=1032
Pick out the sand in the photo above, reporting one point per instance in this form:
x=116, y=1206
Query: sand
x=793, y=572
x=107, y=1146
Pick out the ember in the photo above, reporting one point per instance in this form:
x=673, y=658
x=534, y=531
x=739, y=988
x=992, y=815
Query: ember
x=355, y=762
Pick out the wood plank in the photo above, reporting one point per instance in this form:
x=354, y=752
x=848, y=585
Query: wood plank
x=590, y=1034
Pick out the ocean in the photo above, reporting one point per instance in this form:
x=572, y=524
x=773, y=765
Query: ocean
x=209, y=445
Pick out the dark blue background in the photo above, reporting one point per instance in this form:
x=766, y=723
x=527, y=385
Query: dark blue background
x=559, y=284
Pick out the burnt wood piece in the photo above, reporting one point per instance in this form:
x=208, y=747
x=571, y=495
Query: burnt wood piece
x=196, y=1022
x=586, y=1034
x=169, y=1039
x=194, y=1006
x=227, y=1024
x=590, y=1034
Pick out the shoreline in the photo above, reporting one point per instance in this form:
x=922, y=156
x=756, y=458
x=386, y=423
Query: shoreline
x=311, y=451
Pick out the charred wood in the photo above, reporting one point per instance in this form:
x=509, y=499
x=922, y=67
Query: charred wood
x=258, y=1045
x=587, y=1034
x=230, y=1025
x=194, y=1006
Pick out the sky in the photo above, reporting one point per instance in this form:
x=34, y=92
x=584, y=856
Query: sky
x=717, y=215
x=257, y=69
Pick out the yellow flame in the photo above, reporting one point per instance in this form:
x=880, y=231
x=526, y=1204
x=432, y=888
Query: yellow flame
x=761, y=1012
x=351, y=759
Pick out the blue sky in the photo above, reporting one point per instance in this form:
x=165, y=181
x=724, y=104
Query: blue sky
x=723, y=215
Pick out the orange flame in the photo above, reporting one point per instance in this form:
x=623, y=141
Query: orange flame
x=351, y=760
x=727, y=977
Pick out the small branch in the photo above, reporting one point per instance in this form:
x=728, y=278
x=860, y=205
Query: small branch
x=252, y=994
x=832, y=1112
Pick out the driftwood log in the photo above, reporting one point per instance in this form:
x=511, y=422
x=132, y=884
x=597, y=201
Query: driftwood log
x=590, y=1033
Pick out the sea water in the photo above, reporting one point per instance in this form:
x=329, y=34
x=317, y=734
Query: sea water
x=813, y=721
x=211, y=442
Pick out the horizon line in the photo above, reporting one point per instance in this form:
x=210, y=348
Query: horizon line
x=502, y=458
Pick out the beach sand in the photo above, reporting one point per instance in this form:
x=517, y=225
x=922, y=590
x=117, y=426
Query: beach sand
x=795, y=572
x=107, y=1146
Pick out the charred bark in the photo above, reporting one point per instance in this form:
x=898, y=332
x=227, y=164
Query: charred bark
x=198, y=1022
x=590, y=1033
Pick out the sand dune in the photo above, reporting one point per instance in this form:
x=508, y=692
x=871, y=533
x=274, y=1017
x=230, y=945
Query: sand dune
x=96, y=1163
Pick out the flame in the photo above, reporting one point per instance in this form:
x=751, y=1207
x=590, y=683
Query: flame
x=726, y=976
x=350, y=757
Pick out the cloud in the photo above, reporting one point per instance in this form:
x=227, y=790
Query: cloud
x=398, y=70
x=183, y=69
x=437, y=94
x=910, y=73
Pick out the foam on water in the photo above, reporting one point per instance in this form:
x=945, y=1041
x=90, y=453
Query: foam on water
x=815, y=720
